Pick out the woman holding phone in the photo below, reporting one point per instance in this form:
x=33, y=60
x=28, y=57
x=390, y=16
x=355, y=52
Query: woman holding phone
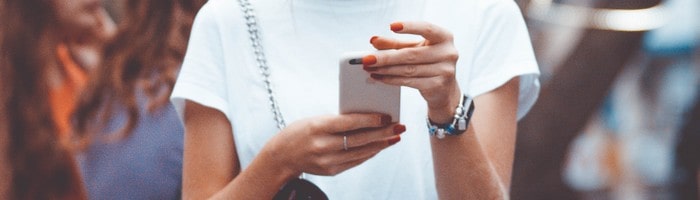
x=237, y=142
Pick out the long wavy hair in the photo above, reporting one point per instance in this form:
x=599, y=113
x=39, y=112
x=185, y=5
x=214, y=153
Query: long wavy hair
x=145, y=57
x=42, y=167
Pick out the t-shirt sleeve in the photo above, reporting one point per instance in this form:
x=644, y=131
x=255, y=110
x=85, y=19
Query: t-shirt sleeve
x=202, y=78
x=503, y=51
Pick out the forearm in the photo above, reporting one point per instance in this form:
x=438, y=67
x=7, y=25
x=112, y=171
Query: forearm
x=211, y=168
x=478, y=163
x=260, y=180
x=462, y=169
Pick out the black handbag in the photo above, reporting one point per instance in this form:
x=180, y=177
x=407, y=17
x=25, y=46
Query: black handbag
x=300, y=189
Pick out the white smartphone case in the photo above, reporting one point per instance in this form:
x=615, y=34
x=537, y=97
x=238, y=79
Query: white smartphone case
x=359, y=93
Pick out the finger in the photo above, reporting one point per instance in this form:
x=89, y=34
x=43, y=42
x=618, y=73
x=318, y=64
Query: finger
x=412, y=82
x=324, y=143
x=410, y=56
x=419, y=70
x=369, y=149
x=383, y=43
x=357, y=156
x=431, y=32
x=339, y=168
x=341, y=160
x=356, y=139
x=353, y=121
x=353, y=163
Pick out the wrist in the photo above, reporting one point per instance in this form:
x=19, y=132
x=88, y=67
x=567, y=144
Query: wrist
x=265, y=173
x=444, y=112
x=460, y=120
x=279, y=165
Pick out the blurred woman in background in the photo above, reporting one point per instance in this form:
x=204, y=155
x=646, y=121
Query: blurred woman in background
x=136, y=152
x=37, y=82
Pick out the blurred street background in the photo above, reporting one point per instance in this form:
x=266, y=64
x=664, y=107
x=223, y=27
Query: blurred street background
x=619, y=115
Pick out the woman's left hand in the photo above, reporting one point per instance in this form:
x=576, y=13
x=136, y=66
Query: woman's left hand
x=427, y=65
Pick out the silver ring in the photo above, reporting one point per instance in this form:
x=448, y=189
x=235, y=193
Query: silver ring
x=345, y=142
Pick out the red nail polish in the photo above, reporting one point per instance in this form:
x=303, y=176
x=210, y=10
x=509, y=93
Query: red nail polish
x=393, y=141
x=399, y=128
x=376, y=76
x=369, y=60
x=386, y=120
x=371, y=41
x=396, y=26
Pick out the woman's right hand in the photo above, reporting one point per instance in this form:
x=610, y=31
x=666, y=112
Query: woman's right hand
x=316, y=145
x=211, y=167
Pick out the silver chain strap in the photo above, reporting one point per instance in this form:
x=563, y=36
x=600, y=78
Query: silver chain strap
x=252, y=24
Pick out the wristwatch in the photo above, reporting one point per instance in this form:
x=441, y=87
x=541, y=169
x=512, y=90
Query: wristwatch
x=459, y=123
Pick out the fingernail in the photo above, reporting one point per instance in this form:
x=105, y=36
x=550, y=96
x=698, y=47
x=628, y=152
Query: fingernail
x=370, y=69
x=393, y=141
x=376, y=76
x=371, y=41
x=386, y=120
x=369, y=60
x=396, y=26
x=399, y=128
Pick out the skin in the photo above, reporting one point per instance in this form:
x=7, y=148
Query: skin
x=483, y=155
x=486, y=150
x=217, y=175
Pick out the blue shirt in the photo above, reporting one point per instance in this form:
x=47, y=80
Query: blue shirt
x=145, y=165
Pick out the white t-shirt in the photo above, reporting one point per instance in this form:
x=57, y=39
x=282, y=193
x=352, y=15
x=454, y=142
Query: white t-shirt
x=303, y=40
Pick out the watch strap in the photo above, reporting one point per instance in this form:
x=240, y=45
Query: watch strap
x=460, y=122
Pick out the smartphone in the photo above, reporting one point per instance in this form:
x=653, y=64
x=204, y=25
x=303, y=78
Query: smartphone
x=359, y=93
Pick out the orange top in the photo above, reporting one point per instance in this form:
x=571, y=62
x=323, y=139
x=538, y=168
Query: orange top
x=63, y=97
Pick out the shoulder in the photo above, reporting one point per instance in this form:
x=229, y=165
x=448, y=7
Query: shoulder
x=219, y=6
x=216, y=12
x=497, y=10
x=216, y=19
